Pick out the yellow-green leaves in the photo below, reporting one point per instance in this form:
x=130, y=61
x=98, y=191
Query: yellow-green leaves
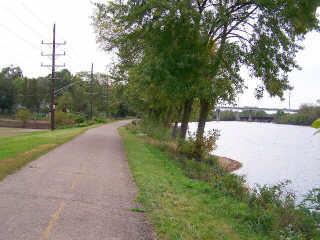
x=316, y=124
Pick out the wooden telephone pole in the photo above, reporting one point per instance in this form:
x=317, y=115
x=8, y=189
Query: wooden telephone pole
x=53, y=74
x=107, y=97
x=91, y=94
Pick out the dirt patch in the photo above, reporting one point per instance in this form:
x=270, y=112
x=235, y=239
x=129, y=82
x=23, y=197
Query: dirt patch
x=11, y=165
x=227, y=164
x=37, y=149
x=26, y=155
x=7, y=132
x=33, y=124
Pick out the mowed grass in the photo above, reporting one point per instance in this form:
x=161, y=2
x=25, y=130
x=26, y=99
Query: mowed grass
x=179, y=207
x=17, y=151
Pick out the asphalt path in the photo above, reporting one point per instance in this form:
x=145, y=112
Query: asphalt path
x=81, y=190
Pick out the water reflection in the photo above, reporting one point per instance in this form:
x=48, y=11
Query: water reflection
x=271, y=153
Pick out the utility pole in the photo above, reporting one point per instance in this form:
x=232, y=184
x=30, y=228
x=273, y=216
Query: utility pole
x=289, y=99
x=107, y=97
x=91, y=95
x=53, y=74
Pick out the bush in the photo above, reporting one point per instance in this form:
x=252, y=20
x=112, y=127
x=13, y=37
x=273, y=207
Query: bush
x=316, y=124
x=63, y=119
x=24, y=115
x=79, y=118
x=100, y=120
x=154, y=129
x=199, y=149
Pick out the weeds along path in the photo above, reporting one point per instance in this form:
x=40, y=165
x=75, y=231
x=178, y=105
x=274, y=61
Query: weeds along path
x=80, y=190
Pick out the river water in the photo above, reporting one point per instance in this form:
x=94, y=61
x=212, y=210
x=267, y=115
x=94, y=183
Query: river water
x=271, y=153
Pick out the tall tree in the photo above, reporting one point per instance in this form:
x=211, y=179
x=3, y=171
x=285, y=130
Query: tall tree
x=206, y=42
x=8, y=89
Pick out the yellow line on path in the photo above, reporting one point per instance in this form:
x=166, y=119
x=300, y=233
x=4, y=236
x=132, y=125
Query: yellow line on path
x=46, y=233
x=83, y=166
x=55, y=217
x=74, y=182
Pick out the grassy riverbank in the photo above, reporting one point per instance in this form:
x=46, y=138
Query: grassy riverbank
x=185, y=199
x=179, y=207
x=17, y=151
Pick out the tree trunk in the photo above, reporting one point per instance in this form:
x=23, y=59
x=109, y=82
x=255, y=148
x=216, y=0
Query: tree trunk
x=204, y=111
x=185, y=117
x=175, y=127
x=167, y=120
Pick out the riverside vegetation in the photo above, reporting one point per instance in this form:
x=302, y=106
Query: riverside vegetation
x=190, y=199
x=179, y=59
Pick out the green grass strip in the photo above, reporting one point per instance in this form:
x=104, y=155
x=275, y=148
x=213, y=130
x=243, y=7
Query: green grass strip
x=17, y=151
x=177, y=206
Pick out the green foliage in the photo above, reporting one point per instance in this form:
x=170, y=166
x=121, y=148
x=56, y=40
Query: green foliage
x=199, y=148
x=154, y=130
x=177, y=52
x=79, y=118
x=70, y=120
x=72, y=95
x=228, y=116
x=211, y=195
x=305, y=116
x=177, y=206
x=24, y=115
x=63, y=119
x=316, y=124
x=9, y=76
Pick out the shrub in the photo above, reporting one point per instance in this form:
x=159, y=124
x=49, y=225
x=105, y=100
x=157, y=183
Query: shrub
x=316, y=124
x=199, y=149
x=79, y=118
x=100, y=120
x=154, y=129
x=62, y=118
x=24, y=115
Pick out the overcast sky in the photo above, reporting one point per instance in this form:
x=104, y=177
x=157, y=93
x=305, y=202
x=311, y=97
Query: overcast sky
x=24, y=24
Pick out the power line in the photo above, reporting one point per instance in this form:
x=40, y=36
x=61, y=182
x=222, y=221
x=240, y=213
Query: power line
x=19, y=37
x=33, y=14
x=22, y=22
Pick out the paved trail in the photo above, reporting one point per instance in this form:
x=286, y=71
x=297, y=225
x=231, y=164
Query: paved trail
x=80, y=190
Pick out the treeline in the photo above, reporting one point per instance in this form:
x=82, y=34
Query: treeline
x=178, y=58
x=305, y=116
x=73, y=94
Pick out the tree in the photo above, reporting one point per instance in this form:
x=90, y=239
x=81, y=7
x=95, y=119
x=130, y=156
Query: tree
x=24, y=115
x=65, y=102
x=8, y=90
x=200, y=45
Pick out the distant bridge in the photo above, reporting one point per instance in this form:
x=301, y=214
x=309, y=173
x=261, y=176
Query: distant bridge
x=258, y=109
x=250, y=109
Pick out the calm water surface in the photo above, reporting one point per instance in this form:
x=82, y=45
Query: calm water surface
x=271, y=153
